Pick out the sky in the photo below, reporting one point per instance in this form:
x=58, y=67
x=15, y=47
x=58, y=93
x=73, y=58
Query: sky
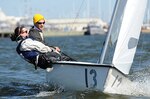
x=53, y=9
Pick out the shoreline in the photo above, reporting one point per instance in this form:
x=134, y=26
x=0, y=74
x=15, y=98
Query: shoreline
x=61, y=33
x=75, y=33
x=146, y=31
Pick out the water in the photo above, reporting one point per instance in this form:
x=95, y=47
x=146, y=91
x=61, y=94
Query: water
x=19, y=79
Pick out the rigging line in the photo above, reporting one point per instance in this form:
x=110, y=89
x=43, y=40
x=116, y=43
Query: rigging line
x=104, y=48
x=76, y=16
x=78, y=13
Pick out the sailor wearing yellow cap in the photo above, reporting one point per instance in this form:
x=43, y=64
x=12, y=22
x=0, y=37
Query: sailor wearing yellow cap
x=36, y=32
x=37, y=18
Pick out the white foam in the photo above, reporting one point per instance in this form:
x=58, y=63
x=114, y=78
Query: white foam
x=139, y=86
x=45, y=93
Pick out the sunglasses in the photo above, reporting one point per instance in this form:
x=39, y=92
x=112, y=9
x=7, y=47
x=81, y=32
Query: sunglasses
x=40, y=22
x=23, y=32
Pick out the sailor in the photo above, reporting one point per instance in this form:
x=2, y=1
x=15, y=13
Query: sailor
x=34, y=51
x=36, y=32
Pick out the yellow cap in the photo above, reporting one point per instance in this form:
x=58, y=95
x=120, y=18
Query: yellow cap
x=37, y=17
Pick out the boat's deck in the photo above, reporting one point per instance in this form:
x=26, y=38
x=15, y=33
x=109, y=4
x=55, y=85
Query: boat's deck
x=82, y=63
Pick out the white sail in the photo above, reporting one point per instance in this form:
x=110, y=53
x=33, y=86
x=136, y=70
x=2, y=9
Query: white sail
x=110, y=43
x=129, y=33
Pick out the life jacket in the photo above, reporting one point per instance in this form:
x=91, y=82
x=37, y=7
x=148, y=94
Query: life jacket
x=35, y=35
x=29, y=56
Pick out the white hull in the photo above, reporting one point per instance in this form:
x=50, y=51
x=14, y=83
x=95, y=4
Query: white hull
x=82, y=76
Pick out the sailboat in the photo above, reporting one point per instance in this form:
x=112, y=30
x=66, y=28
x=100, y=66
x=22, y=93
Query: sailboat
x=111, y=72
x=146, y=25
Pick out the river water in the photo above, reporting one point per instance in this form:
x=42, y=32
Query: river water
x=19, y=79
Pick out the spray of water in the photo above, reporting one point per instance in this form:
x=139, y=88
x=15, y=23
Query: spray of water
x=139, y=85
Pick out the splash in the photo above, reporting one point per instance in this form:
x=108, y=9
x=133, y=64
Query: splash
x=139, y=85
x=45, y=93
x=23, y=89
x=141, y=82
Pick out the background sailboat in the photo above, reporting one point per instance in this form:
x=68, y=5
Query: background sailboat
x=146, y=24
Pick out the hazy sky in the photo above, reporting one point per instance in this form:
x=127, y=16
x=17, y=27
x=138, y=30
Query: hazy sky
x=58, y=8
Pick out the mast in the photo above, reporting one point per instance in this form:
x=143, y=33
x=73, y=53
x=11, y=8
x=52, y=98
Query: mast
x=101, y=60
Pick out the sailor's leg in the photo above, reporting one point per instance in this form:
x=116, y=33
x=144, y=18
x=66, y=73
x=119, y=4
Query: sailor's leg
x=42, y=62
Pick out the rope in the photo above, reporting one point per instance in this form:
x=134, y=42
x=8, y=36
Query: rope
x=77, y=15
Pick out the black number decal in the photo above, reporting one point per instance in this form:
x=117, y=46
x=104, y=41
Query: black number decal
x=92, y=72
x=117, y=81
x=86, y=78
x=94, y=77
